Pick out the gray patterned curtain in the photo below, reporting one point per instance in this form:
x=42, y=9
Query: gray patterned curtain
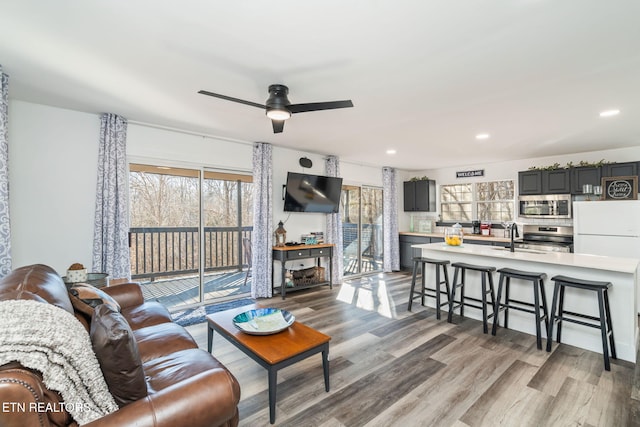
x=334, y=226
x=5, y=229
x=262, y=236
x=390, y=216
x=111, y=223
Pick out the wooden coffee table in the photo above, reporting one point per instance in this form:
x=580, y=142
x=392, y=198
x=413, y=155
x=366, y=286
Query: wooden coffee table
x=272, y=352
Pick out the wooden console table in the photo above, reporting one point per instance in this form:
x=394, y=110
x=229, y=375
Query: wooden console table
x=298, y=252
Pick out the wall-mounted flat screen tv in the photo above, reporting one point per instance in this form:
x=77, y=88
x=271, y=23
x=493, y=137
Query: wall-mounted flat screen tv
x=312, y=193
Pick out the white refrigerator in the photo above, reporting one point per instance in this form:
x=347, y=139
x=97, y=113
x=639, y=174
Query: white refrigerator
x=609, y=228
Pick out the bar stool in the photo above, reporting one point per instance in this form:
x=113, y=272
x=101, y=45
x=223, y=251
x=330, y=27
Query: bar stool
x=486, y=274
x=604, y=318
x=539, y=298
x=433, y=292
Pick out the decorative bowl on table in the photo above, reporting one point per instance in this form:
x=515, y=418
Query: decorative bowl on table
x=263, y=321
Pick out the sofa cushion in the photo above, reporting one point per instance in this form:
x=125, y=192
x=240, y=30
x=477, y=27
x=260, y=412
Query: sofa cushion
x=146, y=314
x=162, y=339
x=85, y=298
x=117, y=352
x=166, y=371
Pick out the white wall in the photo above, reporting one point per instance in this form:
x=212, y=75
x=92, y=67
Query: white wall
x=506, y=170
x=52, y=170
x=52, y=182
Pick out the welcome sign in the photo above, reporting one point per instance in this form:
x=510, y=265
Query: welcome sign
x=468, y=174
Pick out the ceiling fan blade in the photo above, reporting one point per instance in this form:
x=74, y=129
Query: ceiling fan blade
x=316, y=106
x=229, y=98
x=278, y=126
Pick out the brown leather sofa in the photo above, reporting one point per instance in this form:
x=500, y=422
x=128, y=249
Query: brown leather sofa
x=185, y=385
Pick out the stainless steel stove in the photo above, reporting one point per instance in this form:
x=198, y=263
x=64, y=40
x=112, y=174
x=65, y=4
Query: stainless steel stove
x=547, y=238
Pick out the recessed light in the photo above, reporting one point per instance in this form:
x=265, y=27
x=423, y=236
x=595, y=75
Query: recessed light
x=391, y=151
x=609, y=113
x=482, y=136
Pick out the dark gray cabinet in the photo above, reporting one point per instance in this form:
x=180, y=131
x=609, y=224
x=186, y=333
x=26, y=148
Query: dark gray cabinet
x=407, y=252
x=556, y=181
x=530, y=182
x=584, y=175
x=620, y=169
x=420, y=196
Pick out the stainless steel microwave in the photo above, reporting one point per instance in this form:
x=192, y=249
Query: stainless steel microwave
x=545, y=206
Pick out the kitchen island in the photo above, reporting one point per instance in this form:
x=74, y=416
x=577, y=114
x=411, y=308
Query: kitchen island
x=621, y=272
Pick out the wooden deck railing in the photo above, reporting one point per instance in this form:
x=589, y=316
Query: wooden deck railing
x=172, y=251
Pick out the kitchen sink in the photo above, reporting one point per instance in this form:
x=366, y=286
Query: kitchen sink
x=529, y=251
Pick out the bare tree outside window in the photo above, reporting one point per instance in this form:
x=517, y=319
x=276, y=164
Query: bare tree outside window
x=487, y=201
x=165, y=221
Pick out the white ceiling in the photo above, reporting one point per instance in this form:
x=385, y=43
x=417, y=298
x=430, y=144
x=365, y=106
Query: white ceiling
x=425, y=76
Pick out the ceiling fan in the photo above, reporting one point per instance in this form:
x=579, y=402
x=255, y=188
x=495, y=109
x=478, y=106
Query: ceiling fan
x=279, y=108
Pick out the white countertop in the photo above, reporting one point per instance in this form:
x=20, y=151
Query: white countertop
x=621, y=265
x=466, y=236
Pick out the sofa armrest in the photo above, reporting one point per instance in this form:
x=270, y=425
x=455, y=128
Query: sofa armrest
x=25, y=399
x=204, y=400
x=126, y=294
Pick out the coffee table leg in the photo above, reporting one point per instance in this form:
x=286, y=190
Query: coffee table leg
x=273, y=381
x=209, y=338
x=325, y=367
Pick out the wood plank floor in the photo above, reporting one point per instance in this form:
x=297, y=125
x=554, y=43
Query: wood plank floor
x=393, y=367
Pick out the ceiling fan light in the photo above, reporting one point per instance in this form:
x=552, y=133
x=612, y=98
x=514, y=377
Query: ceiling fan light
x=609, y=113
x=278, y=114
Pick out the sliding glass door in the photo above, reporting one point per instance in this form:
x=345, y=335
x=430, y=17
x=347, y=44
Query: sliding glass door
x=190, y=233
x=228, y=224
x=361, y=208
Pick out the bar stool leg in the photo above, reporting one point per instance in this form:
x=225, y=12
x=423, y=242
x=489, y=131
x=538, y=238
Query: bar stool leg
x=603, y=331
x=560, y=313
x=452, y=295
x=507, y=299
x=496, y=308
x=446, y=280
x=545, y=310
x=437, y=292
x=609, y=324
x=536, y=308
x=413, y=284
x=485, y=327
x=463, y=274
x=493, y=292
x=423, y=280
x=553, y=316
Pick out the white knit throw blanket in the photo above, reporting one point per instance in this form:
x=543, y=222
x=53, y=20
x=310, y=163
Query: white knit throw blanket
x=52, y=341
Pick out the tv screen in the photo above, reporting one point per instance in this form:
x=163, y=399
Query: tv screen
x=312, y=193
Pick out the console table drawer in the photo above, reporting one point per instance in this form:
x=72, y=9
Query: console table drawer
x=298, y=253
x=320, y=252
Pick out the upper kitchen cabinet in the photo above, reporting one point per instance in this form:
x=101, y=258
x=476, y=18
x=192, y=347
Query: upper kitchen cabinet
x=584, y=175
x=620, y=169
x=530, y=182
x=420, y=196
x=556, y=181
